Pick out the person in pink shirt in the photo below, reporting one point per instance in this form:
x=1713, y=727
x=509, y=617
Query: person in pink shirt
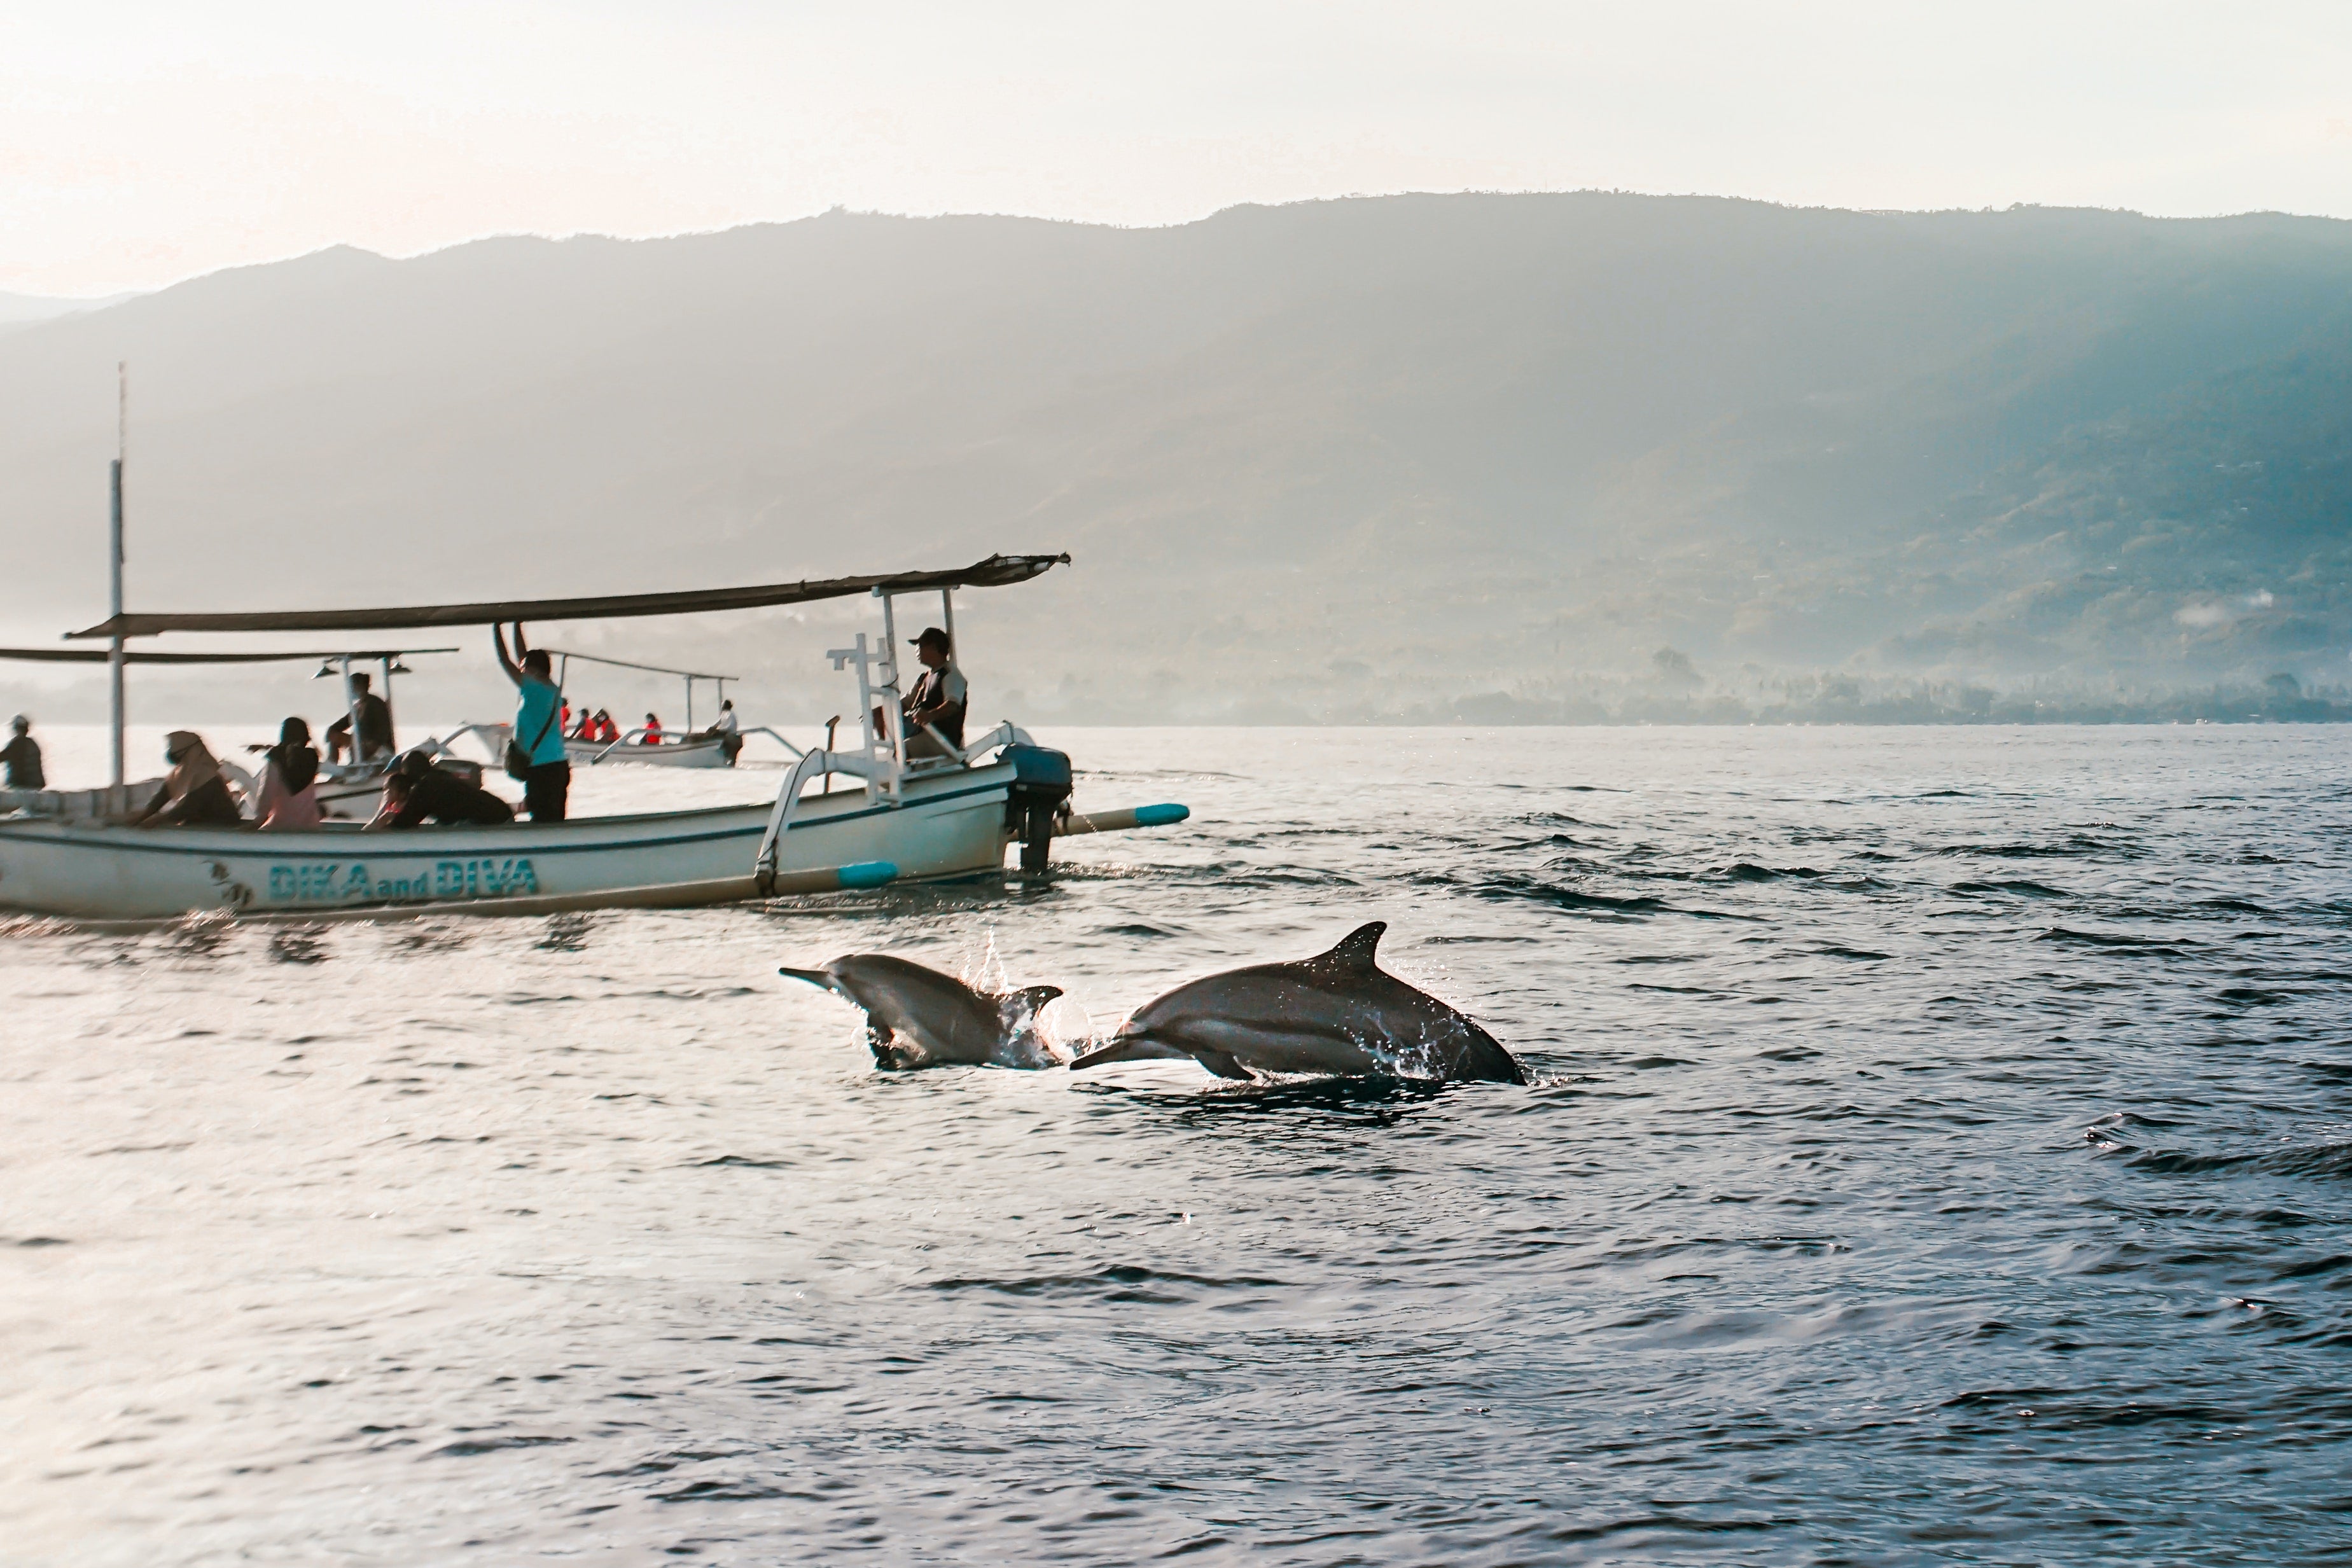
x=289, y=800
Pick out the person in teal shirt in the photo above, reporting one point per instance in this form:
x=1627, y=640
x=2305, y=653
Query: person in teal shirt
x=547, y=778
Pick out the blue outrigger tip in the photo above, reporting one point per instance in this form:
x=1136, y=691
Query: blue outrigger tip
x=1118, y=821
x=868, y=874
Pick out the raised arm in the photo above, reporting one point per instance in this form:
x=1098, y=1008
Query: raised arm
x=498, y=638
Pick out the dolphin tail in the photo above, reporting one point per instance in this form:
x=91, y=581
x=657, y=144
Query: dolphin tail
x=1028, y=999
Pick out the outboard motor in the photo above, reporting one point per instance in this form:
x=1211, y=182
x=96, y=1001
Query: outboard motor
x=1041, y=784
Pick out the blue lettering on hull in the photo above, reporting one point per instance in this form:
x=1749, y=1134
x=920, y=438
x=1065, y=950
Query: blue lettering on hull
x=350, y=882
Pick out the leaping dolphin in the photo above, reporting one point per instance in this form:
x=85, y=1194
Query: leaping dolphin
x=1336, y=1013
x=919, y=1017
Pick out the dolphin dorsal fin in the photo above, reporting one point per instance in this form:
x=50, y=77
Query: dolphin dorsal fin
x=1358, y=951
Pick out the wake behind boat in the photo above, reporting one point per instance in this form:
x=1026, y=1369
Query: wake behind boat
x=905, y=807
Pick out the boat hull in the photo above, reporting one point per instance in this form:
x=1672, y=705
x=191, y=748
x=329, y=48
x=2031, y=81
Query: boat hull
x=947, y=825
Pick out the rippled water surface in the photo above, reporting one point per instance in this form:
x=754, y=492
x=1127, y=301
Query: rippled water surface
x=1941, y=1152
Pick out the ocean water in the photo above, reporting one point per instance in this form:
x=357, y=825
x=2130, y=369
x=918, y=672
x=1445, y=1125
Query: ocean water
x=1942, y=1153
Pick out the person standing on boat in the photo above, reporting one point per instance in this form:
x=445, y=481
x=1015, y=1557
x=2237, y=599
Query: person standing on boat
x=938, y=698
x=545, y=772
x=729, y=729
x=21, y=756
x=288, y=801
x=375, y=726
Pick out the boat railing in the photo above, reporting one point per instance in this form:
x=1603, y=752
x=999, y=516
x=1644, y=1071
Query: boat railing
x=779, y=740
x=1003, y=735
x=858, y=765
x=107, y=804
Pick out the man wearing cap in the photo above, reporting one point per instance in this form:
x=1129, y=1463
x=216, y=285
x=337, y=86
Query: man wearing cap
x=938, y=699
x=22, y=756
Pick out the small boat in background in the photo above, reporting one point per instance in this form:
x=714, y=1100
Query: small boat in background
x=690, y=749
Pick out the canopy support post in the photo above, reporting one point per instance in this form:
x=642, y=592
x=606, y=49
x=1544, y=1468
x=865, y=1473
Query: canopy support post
x=114, y=568
x=114, y=645
x=947, y=614
x=390, y=723
x=352, y=706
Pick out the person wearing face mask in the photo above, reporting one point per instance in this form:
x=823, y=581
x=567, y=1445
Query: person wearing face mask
x=288, y=801
x=194, y=793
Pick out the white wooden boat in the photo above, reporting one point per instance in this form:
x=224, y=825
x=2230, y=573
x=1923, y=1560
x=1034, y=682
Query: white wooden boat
x=695, y=751
x=685, y=748
x=948, y=823
x=948, y=817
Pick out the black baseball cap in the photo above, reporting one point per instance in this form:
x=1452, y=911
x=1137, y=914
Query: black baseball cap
x=931, y=634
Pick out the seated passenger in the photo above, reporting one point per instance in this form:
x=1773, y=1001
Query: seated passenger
x=21, y=756
x=586, y=728
x=375, y=726
x=417, y=792
x=937, y=700
x=289, y=800
x=194, y=794
x=652, y=736
x=608, y=728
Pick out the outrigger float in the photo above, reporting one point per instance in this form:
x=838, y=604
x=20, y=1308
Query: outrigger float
x=949, y=816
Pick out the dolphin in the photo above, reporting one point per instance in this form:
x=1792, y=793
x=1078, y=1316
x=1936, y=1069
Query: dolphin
x=919, y=1017
x=1336, y=1013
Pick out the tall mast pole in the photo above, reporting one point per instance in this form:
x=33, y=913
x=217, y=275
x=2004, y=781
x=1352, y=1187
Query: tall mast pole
x=114, y=557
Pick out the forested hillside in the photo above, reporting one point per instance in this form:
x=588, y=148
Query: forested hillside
x=1345, y=459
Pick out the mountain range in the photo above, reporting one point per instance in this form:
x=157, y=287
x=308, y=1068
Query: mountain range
x=1350, y=459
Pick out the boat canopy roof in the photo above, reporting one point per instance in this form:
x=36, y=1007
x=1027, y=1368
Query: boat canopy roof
x=100, y=655
x=996, y=572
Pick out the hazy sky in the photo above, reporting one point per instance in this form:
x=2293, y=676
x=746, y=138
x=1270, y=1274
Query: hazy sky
x=141, y=143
